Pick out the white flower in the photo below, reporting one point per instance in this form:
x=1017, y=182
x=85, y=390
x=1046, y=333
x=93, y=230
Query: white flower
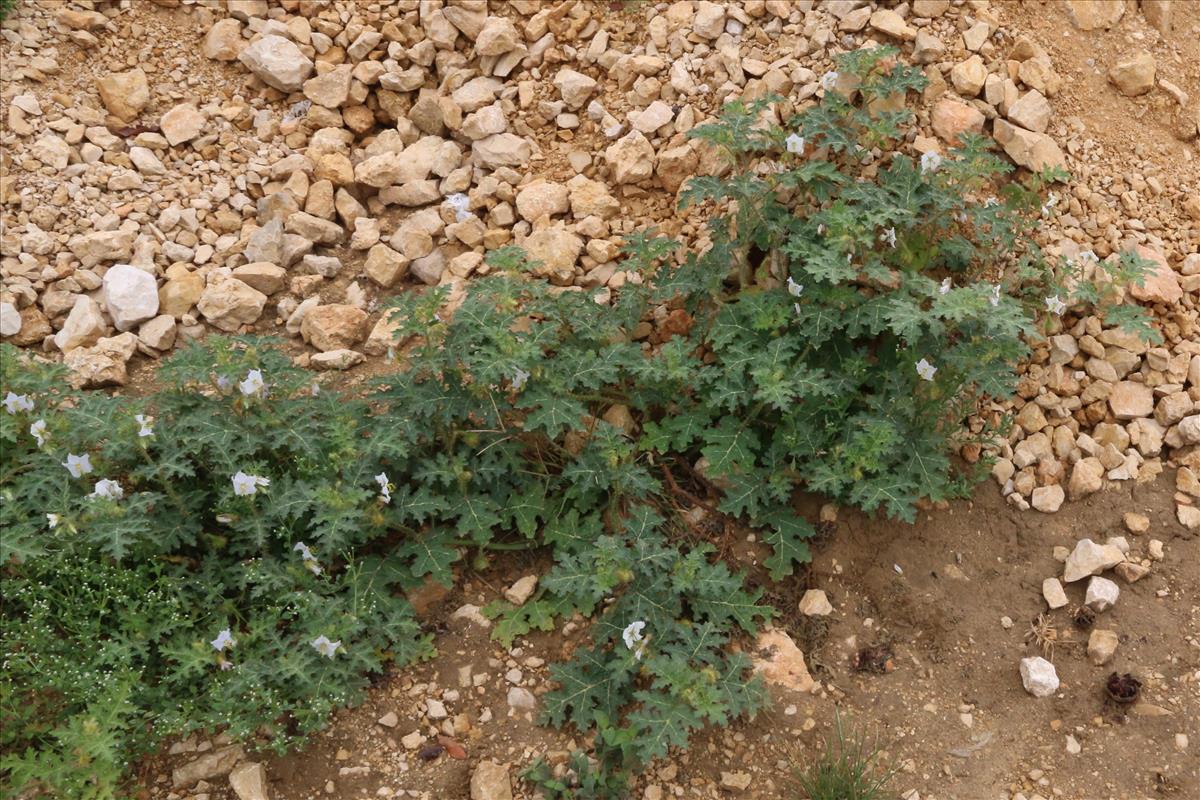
x=253, y=384
x=821, y=229
x=460, y=203
x=794, y=289
x=926, y=370
x=633, y=635
x=1088, y=255
x=78, y=466
x=385, y=489
x=109, y=490
x=991, y=202
x=1054, y=305
x=52, y=520
x=889, y=236
x=326, y=647
x=316, y=389
x=244, y=484
x=38, y=431
x=310, y=561
x=994, y=298
x=145, y=429
x=223, y=664
x=17, y=402
x=829, y=80
x=797, y=307
x=223, y=383
x=930, y=162
x=944, y=288
x=795, y=143
x=224, y=639
x=1049, y=204
x=519, y=379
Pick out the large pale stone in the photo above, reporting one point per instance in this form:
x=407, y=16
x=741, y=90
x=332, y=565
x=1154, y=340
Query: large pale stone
x=555, y=251
x=385, y=266
x=210, y=765
x=331, y=89
x=1129, y=400
x=124, y=94
x=182, y=123
x=630, y=159
x=94, y=248
x=1101, y=646
x=1134, y=75
x=334, y=327
x=1038, y=676
x=542, y=198
x=224, y=41
x=84, y=325
x=574, y=87
x=231, y=303
x=249, y=781
x=1029, y=149
x=490, y=781
x=265, y=277
x=952, y=117
x=1088, y=15
x=1031, y=111
x=501, y=150
x=777, y=658
x=1160, y=283
x=1089, y=558
x=278, y=62
x=130, y=295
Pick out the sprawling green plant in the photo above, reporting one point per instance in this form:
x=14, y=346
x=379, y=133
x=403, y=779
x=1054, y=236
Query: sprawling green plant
x=851, y=308
x=198, y=561
x=849, y=768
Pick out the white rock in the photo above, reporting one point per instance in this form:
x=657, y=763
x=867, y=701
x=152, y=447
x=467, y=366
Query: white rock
x=520, y=697
x=1052, y=590
x=1101, y=594
x=521, y=591
x=814, y=603
x=277, y=62
x=131, y=296
x=84, y=325
x=1038, y=676
x=249, y=781
x=1089, y=558
x=10, y=320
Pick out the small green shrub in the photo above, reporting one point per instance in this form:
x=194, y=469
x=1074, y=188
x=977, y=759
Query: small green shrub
x=6, y=7
x=118, y=582
x=848, y=769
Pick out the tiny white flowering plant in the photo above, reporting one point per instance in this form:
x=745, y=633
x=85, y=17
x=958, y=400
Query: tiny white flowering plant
x=150, y=593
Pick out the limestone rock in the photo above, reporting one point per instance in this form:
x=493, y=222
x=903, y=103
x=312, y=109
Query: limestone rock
x=385, y=266
x=224, y=41
x=249, y=781
x=1088, y=15
x=208, y=766
x=262, y=275
x=709, y=20
x=542, y=198
x=1048, y=499
x=574, y=87
x=1029, y=149
x=230, y=304
x=1101, y=594
x=521, y=590
x=1101, y=646
x=1129, y=400
x=951, y=117
x=84, y=325
x=1053, y=592
x=1089, y=558
x=555, y=250
x=124, y=94
x=968, y=76
x=814, y=603
x=429, y=268
x=340, y=359
x=1160, y=283
x=94, y=248
x=180, y=292
x=278, y=62
x=501, y=150
x=130, y=295
x=1134, y=75
x=158, y=333
x=490, y=781
x=780, y=662
x=10, y=320
x=334, y=327
x=1038, y=676
x=630, y=158
x=330, y=89
x=498, y=36
x=1031, y=111
x=1087, y=476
